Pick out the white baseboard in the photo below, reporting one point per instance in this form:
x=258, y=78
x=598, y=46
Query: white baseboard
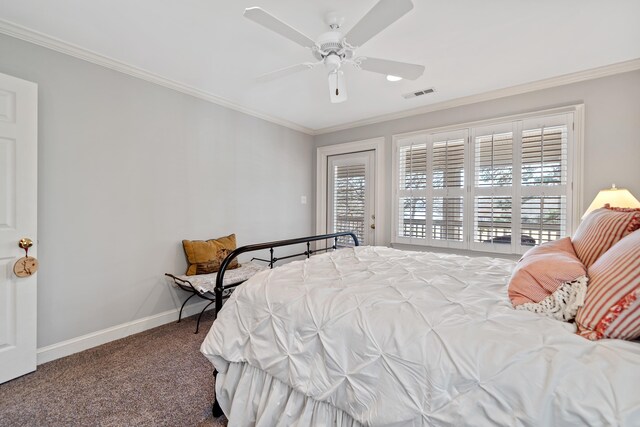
x=84, y=342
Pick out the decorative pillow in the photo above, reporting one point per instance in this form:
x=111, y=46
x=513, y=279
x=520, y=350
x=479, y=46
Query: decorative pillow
x=612, y=306
x=601, y=229
x=549, y=279
x=205, y=257
x=608, y=206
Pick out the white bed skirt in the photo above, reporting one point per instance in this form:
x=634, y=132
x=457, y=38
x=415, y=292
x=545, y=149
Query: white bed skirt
x=251, y=397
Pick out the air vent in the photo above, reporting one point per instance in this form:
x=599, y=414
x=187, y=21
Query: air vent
x=418, y=93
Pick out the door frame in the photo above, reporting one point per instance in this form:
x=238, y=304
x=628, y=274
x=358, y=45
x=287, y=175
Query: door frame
x=376, y=145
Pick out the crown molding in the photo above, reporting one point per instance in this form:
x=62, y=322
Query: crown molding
x=41, y=39
x=565, y=79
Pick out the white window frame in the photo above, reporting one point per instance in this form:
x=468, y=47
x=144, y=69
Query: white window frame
x=574, y=177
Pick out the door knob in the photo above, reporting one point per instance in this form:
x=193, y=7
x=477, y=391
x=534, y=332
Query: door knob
x=373, y=226
x=26, y=265
x=25, y=243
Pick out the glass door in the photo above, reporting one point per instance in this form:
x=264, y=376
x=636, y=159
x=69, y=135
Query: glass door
x=351, y=195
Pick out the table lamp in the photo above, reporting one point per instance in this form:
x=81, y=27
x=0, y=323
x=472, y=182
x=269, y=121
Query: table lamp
x=615, y=197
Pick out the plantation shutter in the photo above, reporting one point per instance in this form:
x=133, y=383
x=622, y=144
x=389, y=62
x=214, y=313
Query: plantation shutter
x=543, y=216
x=493, y=170
x=502, y=187
x=447, y=201
x=412, y=185
x=349, y=200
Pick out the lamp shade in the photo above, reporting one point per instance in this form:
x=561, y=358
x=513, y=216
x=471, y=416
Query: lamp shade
x=615, y=197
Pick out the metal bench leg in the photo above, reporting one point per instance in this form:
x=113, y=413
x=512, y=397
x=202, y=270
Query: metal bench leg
x=199, y=317
x=183, y=304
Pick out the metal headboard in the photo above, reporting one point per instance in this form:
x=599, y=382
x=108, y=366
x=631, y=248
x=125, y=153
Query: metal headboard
x=220, y=287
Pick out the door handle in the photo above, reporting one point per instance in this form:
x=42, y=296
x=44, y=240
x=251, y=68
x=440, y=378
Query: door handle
x=27, y=265
x=25, y=243
x=373, y=226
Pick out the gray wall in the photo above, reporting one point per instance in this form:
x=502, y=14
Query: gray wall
x=612, y=128
x=127, y=169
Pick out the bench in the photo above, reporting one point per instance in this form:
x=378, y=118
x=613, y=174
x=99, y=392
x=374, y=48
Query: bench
x=203, y=285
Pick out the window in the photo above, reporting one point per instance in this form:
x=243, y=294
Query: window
x=349, y=200
x=447, y=197
x=413, y=185
x=478, y=186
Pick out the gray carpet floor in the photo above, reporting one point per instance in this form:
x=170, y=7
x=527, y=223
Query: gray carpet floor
x=157, y=377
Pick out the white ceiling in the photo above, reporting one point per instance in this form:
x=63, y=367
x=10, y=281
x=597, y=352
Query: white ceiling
x=468, y=47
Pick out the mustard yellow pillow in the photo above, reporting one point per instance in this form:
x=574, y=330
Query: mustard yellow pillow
x=206, y=257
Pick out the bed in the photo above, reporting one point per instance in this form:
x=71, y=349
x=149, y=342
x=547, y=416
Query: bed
x=375, y=336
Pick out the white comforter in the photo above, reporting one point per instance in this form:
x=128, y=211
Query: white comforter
x=410, y=339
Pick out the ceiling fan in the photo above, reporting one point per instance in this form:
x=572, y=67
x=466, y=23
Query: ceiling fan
x=335, y=49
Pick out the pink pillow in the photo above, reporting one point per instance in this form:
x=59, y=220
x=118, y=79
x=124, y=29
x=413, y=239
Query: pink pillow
x=612, y=305
x=549, y=279
x=613, y=208
x=602, y=229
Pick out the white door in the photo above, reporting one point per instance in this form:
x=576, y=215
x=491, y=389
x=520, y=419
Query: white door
x=351, y=192
x=18, y=219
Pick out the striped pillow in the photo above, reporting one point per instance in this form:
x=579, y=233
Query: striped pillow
x=549, y=279
x=600, y=230
x=608, y=206
x=612, y=306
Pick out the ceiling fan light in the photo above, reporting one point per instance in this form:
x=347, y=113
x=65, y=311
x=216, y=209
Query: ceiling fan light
x=337, y=87
x=393, y=78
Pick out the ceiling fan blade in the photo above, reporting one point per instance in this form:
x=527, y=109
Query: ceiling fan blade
x=272, y=23
x=394, y=68
x=383, y=14
x=284, y=72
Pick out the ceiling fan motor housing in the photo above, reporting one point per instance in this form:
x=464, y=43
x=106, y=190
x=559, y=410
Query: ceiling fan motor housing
x=330, y=41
